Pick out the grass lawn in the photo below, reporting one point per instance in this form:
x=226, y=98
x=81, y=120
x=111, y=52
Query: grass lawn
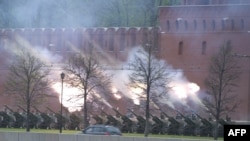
x=38, y=130
x=124, y=134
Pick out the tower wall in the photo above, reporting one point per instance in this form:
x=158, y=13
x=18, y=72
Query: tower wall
x=191, y=34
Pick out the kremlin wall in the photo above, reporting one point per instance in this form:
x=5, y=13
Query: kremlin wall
x=186, y=37
x=190, y=34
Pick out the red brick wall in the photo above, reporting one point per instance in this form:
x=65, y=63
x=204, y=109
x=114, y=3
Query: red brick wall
x=193, y=63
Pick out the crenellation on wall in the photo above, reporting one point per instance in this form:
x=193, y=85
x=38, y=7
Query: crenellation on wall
x=177, y=18
x=108, y=39
x=213, y=2
x=132, y=33
x=118, y=38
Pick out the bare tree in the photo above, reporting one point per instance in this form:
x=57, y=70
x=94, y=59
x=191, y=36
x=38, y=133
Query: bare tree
x=220, y=83
x=85, y=73
x=150, y=75
x=27, y=80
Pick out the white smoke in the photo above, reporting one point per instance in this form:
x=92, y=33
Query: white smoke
x=42, y=53
x=182, y=90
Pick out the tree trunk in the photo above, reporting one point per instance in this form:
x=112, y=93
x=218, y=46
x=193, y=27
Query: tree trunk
x=146, y=131
x=28, y=117
x=148, y=91
x=85, y=119
x=216, y=130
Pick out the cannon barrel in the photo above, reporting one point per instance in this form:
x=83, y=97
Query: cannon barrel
x=112, y=120
x=22, y=108
x=124, y=117
x=7, y=107
x=128, y=124
x=141, y=122
x=139, y=118
x=204, y=120
x=109, y=117
x=19, y=119
x=174, y=126
x=156, y=119
x=117, y=112
x=8, y=119
x=187, y=120
x=223, y=122
x=33, y=119
x=133, y=113
x=5, y=119
x=97, y=118
x=159, y=126
x=58, y=117
x=206, y=128
x=45, y=120
x=171, y=119
x=192, y=128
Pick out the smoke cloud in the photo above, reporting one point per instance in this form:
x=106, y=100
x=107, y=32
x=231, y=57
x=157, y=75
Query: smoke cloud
x=182, y=91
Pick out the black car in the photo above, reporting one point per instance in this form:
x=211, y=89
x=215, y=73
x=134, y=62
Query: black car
x=102, y=130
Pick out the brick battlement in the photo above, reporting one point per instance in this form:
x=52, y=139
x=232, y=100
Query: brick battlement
x=56, y=39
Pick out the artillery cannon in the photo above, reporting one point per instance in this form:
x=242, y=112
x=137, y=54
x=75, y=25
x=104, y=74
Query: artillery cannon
x=127, y=125
x=206, y=127
x=112, y=120
x=141, y=122
x=44, y=119
x=7, y=117
x=33, y=119
x=159, y=126
x=74, y=122
x=98, y=119
x=174, y=126
x=15, y=119
x=222, y=122
x=191, y=127
x=57, y=119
